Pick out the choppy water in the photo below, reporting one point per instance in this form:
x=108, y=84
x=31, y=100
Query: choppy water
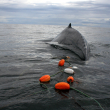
x=25, y=57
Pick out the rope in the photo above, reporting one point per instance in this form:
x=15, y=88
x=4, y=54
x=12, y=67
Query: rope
x=68, y=62
x=88, y=97
x=57, y=73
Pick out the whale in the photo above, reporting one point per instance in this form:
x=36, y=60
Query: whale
x=74, y=41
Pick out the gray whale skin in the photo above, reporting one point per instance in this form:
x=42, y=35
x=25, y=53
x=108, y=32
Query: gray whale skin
x=71, y=39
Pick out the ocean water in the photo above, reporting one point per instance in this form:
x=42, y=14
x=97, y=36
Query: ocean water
x=25, y=57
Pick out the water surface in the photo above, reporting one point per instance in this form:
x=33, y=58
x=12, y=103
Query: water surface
x=25, y=57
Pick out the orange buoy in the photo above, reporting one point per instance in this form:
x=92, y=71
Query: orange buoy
x=61, y=62
x=62, y=86
x=70, y=79
x=45, y=78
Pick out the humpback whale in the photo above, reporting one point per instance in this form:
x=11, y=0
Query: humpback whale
x=71, y=39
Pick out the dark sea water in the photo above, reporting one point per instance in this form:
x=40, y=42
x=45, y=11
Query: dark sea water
x=25, y=57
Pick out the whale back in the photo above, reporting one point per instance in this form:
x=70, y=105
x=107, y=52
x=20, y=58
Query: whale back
x=74, y=41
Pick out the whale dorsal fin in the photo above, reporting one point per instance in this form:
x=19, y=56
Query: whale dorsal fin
x=69, y=26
